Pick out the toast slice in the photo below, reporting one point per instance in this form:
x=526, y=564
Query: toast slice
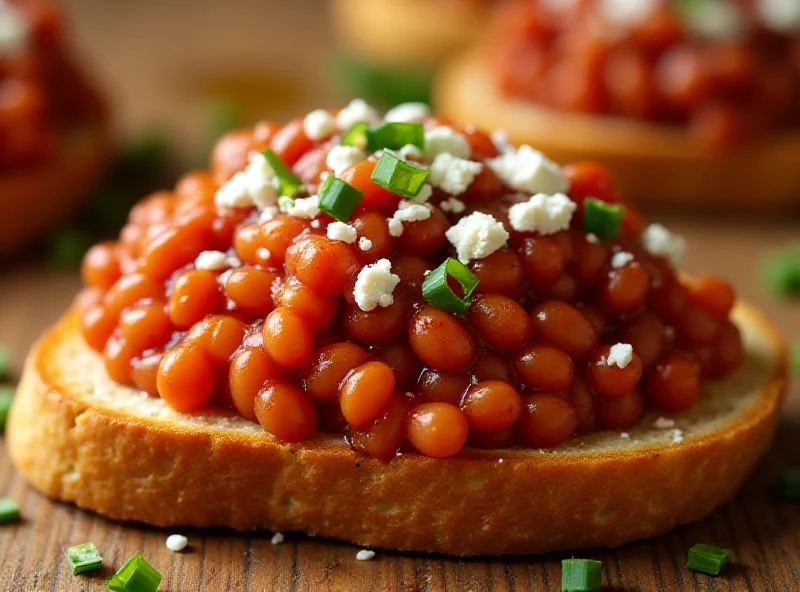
x=653, y=163
x=36, y=198
x=79, y=437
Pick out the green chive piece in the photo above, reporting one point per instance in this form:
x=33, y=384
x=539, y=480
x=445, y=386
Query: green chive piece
x=9, y=510
x=707, y=559
x=288, y=183
x=438, y=293
x=399, y=176
x=395, y=135
x=135, y=576
x=789, y=485
x=6, y=395
x=356, y=135
x=338, y=198
x=581, y=575
x=602, y=218
x=83, y=558
x=5, y=364
x=781, y=272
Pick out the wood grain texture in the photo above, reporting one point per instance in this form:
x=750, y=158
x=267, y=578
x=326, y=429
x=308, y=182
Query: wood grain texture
x=762, y=532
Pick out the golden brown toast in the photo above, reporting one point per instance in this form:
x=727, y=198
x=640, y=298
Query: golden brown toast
x=79, y=437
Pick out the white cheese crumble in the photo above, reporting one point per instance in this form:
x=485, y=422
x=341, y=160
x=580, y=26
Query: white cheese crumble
x=621, y=259
x=341, y=158
x=212, y=261
x=424, y=193
x=624, y=435
x=476, y=236
x=395, y=227
x=268, y=213
x=408, y=113
x=453, y=205
x=592, y=238
x=374, y=285
x=364, y=243
x=365, y=555
x=453, y=174
x=14, y=30
x=677, y=437
x=660, y=242
x=445, y=139
x=627, y=14
x=620, y=355
x=342, y=232
x=177, y=542
x=277, y=538
x=715, y=20
x=782, y=16
x=304, y=207
x=319, y=124
x=500, y=140
x=664, y=423
x=409, y=151
x=355, y=111
x=545, y=214
x=526, y=169
x=407, y=211
x=255, y=185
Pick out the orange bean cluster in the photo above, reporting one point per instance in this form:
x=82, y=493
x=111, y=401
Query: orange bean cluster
x=277, y=336
x=41, y=91
x=725, y=90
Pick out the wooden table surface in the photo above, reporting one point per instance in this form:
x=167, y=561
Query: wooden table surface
x=762, y=533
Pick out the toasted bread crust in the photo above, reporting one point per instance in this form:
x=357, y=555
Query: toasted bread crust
x=36, y=198
x=652, y=163
x=77, y=437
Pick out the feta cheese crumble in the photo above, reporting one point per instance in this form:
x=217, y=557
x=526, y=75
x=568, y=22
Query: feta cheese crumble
x=212, y=261
x=277, y=538
x=620, y=355
x=364, y=243
x=592, y=238
x=664, y=423
x=319, y=124
x=374, y=286
x=355, y=111
x=177, y=542
x=526, y=169
x=268, y=214
x=342, y=232
x=408, y=113
x=624, y=435
x=677, y=437
x=395, y=227
x=365, y=555
x=453, y=205
x=407, y=211
x=782, y=16
x=14, y=30
x=445, y=139
x=304, y=207
x=621, y=259
x=545, y=214
x=627, y=14
x=424, y=193
x=343, y=157
x=501, y=141
x=453, y=174
x=476, y=236
x=660, y=242
x=409, y=151
x=256, y=185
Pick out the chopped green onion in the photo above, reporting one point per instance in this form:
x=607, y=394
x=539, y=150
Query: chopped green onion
x=9, y=510
x=6, y=394
x=391, y=135
x=602, y=218
x=782, y=272
x=288, y=183
x=789, y=485
x=356, y=135
x=395, y=135
x=338, y=198
x=581, y=575
x=707, y=559
x=439, y=294
x=83, y=558
x=135, y=576
x=399, y=176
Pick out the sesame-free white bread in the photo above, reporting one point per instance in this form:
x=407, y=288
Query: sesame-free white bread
x=79, y=437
